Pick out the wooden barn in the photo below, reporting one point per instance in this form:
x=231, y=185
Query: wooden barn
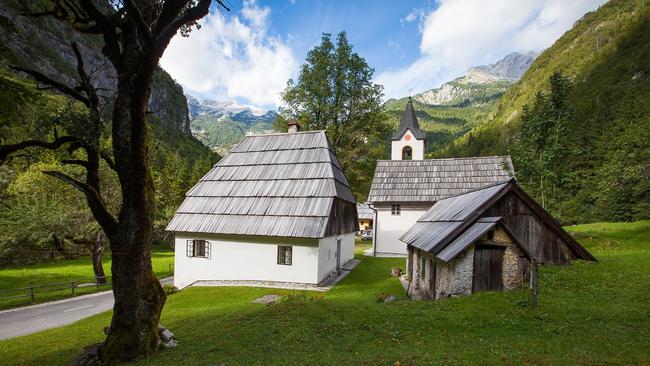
x=484, y=240
x=277, y=210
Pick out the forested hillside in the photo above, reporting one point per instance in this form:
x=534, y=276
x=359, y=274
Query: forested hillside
x=453, y=109
x=42, y=217
x=598, y=110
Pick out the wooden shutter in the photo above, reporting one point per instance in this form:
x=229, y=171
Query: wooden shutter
x=190, y=248
x=207, y=249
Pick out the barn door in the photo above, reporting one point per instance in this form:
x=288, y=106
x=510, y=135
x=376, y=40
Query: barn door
x=488, y=268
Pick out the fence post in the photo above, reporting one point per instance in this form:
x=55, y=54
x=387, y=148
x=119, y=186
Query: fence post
x=533, y=283
x=31, y=290
x=72, y=287
x=169, y=265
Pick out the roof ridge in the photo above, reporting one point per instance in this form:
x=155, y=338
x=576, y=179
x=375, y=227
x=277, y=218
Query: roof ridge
x=437, y=159
x=284, y=133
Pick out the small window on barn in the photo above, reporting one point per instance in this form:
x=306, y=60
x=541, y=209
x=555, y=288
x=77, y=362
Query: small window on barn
x=396, y=210
x=284, y=254
x=198, y=248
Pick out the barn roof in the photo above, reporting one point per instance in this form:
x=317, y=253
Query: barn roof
x=364, y=211
x=433, y=179
x=268, y=185
x=454, y=223
x=409, y=121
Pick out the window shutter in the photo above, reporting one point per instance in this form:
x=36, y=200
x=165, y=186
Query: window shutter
x=190, y=248
x=207, y=249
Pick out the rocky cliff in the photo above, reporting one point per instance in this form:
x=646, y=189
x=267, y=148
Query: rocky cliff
x=44, y=44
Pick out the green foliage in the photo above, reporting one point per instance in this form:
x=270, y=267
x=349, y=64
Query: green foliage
x=607, y=57
x=588, y=314
x=540, y=148
x=335, y=92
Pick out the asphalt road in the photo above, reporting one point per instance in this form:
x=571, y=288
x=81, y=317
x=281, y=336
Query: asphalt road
x=35, y=318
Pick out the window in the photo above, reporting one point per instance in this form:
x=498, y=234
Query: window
x=395, y=210
x=407, y=153
x=198, y=248
x=284, y=255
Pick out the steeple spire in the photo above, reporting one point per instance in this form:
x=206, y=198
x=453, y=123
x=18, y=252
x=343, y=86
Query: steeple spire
x=409, y=121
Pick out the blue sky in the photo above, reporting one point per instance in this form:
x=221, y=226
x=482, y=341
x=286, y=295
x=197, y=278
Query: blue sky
x=247, y=54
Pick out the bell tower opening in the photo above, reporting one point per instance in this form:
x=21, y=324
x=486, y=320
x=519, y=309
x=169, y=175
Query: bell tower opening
x=407, y=153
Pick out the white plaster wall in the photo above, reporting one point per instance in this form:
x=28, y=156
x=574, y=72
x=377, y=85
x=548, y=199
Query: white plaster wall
x=245, y=258
x=326, y=253
x=417, y=147
x=391, y=227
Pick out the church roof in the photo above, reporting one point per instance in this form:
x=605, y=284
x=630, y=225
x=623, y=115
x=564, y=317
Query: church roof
x=433, y=179
x=270, y=185
x=409, y=121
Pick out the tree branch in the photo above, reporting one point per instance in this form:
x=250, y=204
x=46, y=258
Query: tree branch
x=7, y=150
x=80, y=162
x=131, y=7
x=40, y=77
x=101, y=213
x=109, y=160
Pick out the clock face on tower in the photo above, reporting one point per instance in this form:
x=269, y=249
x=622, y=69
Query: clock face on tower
x=407, y=137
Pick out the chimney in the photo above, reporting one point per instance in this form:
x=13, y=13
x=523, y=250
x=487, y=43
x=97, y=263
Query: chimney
x=294, y=127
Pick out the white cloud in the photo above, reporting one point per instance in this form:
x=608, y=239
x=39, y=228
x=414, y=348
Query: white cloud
x=459, y=34
x=232, y=57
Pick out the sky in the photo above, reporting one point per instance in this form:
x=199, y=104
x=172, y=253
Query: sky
x=248, y=53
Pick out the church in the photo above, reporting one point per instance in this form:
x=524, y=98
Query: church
x=408, y=185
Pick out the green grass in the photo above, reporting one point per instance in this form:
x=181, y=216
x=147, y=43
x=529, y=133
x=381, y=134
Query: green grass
x=66, y=271
x=589, y=313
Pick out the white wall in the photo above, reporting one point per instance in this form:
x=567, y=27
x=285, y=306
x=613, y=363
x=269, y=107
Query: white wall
x=416, y=145
x=327, y=249
x=390, y=228
x=245, y=258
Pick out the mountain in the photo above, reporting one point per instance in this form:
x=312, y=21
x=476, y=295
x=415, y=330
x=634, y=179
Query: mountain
x=221, y=124
x=606, y=56
x=454, y=108
x=511, y=67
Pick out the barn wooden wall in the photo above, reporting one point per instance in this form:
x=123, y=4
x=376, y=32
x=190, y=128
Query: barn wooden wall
x=540, y=240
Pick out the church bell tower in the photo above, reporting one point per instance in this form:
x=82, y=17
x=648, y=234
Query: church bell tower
x=409, y=141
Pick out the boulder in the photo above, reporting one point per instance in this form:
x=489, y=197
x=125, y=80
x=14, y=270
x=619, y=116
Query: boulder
x=267, y=300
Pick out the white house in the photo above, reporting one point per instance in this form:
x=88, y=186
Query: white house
x=277, y=209
x=406, y=186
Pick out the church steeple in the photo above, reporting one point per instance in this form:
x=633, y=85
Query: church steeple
x=409, y=140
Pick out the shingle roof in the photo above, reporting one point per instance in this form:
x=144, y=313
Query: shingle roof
x=434, y=179
x=454, y=223
x=364, y=211
x=448, y=218
x=268, y=185
x=409, y=121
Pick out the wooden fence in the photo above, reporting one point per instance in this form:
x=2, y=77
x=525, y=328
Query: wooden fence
x=32, y=291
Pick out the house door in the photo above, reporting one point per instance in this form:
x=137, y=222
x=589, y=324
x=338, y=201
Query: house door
x=338, y=254
x=488, y=268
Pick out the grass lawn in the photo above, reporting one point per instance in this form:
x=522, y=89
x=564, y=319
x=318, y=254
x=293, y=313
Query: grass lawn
x=78, y=270
x=589, y=313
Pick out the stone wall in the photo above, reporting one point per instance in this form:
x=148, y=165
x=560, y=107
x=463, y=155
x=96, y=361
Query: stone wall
x=513, y=259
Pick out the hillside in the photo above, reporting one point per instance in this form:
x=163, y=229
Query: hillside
x=457, y=106
x=607, y=57
x=221, y=124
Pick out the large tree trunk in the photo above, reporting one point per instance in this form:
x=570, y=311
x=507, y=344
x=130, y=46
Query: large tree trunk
x=139, y=297
x=98, y=266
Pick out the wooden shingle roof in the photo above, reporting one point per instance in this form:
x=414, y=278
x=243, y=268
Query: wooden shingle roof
x=454, y=223
x=268, y=185
x=433, y=179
